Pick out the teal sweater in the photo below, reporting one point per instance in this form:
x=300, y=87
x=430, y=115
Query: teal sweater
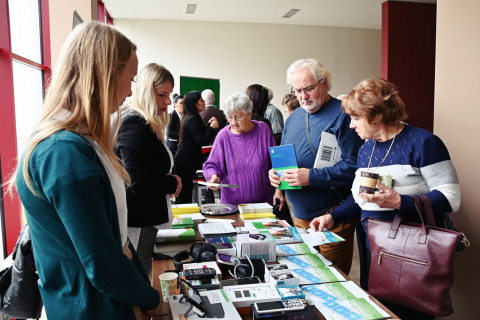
x=75, y=235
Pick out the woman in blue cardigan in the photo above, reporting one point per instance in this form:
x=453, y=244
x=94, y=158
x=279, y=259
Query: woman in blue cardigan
x=73, y=187
x=148, y=161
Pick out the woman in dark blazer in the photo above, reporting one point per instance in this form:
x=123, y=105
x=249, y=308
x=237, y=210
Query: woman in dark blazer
x=189, y=157
x=174, y=126
x=148, y=161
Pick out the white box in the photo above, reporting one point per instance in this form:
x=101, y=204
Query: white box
x=245, y=295
x=256, y=249
x=283, y=279
x=271, y=269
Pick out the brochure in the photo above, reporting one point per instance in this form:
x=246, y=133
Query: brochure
x=308, y=260
x=318, y=275
x=294, y=249
x=329, y=152
x=343, y=300
x=264, y=224
x=216, y=229
x=219, y=185
x=317, y=238
x=182, y=234
x=282, y=235
x=254, y=207
x=283, y=157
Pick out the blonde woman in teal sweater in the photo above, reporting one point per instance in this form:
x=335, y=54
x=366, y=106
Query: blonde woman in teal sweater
x=73, y=186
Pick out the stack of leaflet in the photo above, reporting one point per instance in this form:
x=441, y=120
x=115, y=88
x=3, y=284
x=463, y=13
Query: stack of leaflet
x=312, y=268
x=216, y=229
x=294, y=249
x=186, y=208
x=343, y=300
x=280, y=230
x=182, y=223
x=181, y=234
x=255, y=211
x=191, y=210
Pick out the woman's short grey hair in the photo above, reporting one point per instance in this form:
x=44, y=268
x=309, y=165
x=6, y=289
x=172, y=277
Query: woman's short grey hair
x=318, y=71
x=238, y=101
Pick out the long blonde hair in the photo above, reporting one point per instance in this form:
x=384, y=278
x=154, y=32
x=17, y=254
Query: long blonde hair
x=143, y=100
x=83, y=92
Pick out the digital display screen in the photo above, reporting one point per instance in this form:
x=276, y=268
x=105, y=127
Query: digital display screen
x=273, y=305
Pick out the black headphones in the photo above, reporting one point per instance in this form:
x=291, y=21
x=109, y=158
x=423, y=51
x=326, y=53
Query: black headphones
x=200, y=252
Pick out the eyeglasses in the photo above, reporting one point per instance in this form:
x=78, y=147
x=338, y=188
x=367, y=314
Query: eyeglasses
x=306, y=90
x=236, y=118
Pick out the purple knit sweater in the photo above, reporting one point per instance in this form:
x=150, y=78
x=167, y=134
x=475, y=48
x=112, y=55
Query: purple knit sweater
x=242, y=159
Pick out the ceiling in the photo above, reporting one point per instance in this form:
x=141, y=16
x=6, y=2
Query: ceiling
x=335, y=13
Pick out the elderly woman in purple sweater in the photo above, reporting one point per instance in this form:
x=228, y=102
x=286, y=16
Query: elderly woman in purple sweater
x=240, y=155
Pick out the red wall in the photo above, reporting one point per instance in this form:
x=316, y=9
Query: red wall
x=408, y=56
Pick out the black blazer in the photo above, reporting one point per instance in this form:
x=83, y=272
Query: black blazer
x=173, y=131
x=147, y=162
x=194, y=136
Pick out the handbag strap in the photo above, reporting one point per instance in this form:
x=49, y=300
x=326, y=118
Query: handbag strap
x=428, y=210
x=307, y=127
x=423, y=234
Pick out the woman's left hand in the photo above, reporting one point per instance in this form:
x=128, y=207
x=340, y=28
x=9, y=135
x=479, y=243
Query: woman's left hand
x=179, y=185
x=386, y=199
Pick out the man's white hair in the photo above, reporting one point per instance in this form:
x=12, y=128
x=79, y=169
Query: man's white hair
x=208, y=96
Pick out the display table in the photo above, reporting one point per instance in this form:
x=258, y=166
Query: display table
x=170, y=248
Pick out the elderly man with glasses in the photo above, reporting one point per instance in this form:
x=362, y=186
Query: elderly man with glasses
x=322, y=189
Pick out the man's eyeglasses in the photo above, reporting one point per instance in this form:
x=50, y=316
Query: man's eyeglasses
x=306, y=90
x=236, y=118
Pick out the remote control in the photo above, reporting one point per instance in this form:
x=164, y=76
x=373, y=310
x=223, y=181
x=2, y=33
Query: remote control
x=199, y=273
x=280, y=306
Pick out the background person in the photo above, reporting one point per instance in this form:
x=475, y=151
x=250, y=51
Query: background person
x=320, y=191
x=175, y=124
x=212, y=111
x=240, y=155
x=290, y=102
x=73, y=186
x=189, y=156
x=142, y=149
x=258, y=94
x=275, y=117
x=417, y=160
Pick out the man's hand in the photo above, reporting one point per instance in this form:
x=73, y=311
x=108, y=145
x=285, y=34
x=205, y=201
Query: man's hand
x=322, y=222
x=214, y=179
x=274, y=179
x=279, y=195
x=296, y=177
x=386, y=199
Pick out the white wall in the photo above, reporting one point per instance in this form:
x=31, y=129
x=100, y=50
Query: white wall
x=241, y=54
x=457, y=110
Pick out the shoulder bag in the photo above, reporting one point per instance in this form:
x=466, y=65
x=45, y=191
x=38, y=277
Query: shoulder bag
x=20, y=297
x=412, y=264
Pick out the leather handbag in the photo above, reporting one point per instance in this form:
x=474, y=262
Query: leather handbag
x=412, y=264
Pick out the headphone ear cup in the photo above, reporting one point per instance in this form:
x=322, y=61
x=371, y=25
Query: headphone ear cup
x=207, y=252
x=182, y=255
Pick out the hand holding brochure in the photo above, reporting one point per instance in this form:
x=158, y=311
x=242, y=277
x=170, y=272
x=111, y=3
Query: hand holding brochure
x=283, y=158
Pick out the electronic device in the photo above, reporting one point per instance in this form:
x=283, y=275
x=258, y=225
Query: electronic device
x=199, y=273
x=240, y=281
x=280, y=306
x=200, y=252
x=191, y=296
x=257, y=236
